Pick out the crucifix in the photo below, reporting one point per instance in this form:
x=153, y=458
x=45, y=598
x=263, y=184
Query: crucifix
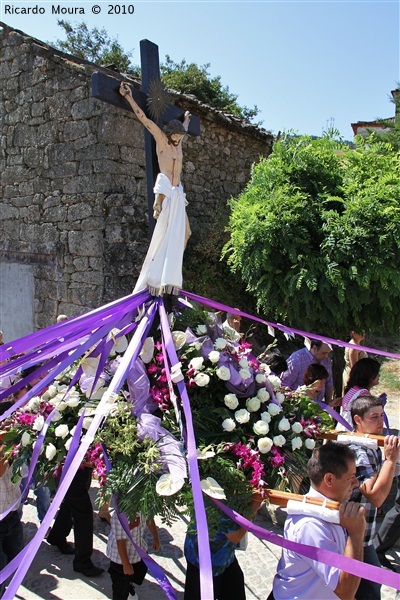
x=107, y=89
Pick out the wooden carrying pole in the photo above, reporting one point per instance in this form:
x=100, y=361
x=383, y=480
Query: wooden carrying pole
x=332, y=435
x=281, y=499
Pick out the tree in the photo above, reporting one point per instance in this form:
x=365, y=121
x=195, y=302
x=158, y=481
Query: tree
x=95, y=45
x=316, y=235
x=192, y=79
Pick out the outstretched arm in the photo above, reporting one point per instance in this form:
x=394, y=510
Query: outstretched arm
x=186, y=120
x=155, y=131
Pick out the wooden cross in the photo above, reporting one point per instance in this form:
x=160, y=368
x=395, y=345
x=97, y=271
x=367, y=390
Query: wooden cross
x=106, y=88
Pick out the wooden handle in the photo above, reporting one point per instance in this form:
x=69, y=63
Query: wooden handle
x=281, y=499
x=332, y=435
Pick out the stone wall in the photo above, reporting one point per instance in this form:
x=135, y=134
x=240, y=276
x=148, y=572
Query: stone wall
x=73, y=179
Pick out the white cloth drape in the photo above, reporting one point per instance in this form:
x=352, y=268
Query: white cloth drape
x=162, y=268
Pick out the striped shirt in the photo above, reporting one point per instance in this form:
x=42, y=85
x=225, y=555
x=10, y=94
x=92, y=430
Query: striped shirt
x=368, y=463
x=117, y=532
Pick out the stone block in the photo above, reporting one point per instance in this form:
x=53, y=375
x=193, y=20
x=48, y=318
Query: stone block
x=92, y=223
x=80, y=211
x=89, y=243
x=75, y=129
x=55, y=214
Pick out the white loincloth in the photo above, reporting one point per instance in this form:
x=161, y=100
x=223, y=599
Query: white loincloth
x=162, y=268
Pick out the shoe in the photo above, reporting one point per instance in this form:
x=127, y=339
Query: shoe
x=385, y=562
x=92, y=571
x=64, y=547
x=132, y=593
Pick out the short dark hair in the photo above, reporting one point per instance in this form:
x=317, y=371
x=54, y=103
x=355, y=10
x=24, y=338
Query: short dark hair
x=316, y=343
x=315, y=372
x=330, y=458
x=362, y=404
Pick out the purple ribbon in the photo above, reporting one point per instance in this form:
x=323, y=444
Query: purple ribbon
x=206, y=581
x=285, y=329
x=131, y=354
x=349, y=565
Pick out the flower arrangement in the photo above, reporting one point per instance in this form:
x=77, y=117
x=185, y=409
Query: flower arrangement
x=251, y=433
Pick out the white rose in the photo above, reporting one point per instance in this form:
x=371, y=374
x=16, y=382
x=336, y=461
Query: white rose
x=197, y=363
x=34, y=403
x=279, y=440
x=280, y=397
x=196, y=345
x=264, y=445
x=179, y=339
x=68, y=444
x=263, y=395
x=61, y=406
x=72, y=432
x=214, y=356
x=284, y=425
x=51, y=391
x=86, y=423
x=51, y=451
x=72, y=400
x=202, y=379
x=274, y=409
x=244, y=363
x=265, y=416
x=25, y=439
x=228, y=425
x=261, y=378
x=297, y=427
x=201, y=329
x=296, y=443
x=309, y=444
x=212, y=488
x=245, y=373
x=275, y=382
x=260, y=428
x=220, y=343
x=253, y=404
x=242, y=416
x=223, y=373
x=57, y=416
x=231, y=401
x=38, y=423
x=61, y=431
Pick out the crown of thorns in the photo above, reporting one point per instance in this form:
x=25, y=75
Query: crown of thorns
x=175, y=126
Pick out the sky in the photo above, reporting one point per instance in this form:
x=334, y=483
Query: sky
x=305, y=65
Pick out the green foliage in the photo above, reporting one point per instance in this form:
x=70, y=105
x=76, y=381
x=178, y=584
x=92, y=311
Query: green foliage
x=196, y=80
x=136, y=468
x=315, y=235
x=95, y=45
x=392, y=136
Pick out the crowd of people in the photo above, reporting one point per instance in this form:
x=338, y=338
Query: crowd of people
x=354, y=472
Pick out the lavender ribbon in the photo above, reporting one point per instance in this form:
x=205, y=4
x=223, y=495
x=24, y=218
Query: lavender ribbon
x=101, y=412
x=285, y=329
x=349, y=565
x=206, y=581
